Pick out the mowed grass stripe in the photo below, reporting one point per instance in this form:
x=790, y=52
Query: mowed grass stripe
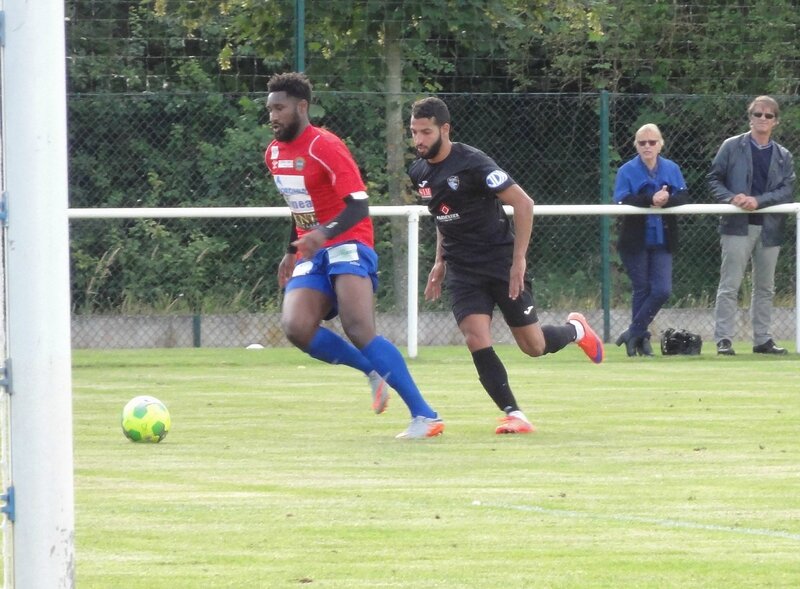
x=277, y=474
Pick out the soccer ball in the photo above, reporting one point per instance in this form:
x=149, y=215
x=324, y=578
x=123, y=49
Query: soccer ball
x=145, y=419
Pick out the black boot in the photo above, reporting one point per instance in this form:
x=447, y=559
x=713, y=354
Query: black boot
x=623, y=337
x=644, y=348
x=632, y=345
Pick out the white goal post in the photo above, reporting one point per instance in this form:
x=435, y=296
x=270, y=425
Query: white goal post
x=414, y=212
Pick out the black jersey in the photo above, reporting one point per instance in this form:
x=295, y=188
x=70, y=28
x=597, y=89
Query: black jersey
x=460, y=192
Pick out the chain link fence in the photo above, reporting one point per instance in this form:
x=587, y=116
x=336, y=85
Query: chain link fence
x=212, y=282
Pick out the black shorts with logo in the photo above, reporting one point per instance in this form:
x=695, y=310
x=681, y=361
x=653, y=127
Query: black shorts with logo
x=474, y=294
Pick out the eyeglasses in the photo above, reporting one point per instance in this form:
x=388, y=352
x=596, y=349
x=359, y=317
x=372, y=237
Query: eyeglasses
x=650, y=142
x=766, y=115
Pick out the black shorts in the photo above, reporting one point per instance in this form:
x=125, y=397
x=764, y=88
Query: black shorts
x=478, y=295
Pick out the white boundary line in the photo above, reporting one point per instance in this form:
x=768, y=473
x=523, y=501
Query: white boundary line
x=666, y=523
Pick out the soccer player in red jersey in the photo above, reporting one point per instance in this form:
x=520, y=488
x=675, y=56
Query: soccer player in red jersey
x=330, y=266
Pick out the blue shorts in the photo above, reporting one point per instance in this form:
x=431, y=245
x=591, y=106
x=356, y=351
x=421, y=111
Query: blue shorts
x=350, y=257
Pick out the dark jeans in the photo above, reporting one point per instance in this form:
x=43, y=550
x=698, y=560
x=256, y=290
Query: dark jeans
x=650, y=271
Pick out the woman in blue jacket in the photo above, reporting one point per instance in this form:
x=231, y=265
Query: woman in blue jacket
x=647, y=243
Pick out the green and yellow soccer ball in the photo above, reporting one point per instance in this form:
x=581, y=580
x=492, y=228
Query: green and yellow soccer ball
x=145, y=419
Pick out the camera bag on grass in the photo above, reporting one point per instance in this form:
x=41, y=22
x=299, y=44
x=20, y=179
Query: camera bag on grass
x=680, y=341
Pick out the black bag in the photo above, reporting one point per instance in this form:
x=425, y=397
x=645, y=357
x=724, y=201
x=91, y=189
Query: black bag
x=680, y=341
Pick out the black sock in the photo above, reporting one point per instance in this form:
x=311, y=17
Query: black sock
x=557, y=337
x=494, y=378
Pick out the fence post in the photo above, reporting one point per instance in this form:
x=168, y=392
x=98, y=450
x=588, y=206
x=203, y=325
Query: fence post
x=413, y=281
x=196, y=330
x=299, y=35
x=605, y=222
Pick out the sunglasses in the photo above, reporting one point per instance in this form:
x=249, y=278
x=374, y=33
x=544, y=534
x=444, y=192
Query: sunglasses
x=766, y=115
x=650, y=142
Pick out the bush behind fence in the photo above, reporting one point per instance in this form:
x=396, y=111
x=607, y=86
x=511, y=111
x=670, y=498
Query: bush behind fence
x=141, y=276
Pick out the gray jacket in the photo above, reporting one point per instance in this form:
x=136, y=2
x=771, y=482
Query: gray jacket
x=732, y=173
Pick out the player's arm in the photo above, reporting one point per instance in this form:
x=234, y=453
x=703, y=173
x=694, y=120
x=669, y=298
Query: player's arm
x=433, y=289
x=286, y=266
x=522, y=204
x=355, y=209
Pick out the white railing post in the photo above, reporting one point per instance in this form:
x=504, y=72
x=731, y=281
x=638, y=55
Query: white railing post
x=413, y=281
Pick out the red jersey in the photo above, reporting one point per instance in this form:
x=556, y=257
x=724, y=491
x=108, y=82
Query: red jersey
x=314, y=173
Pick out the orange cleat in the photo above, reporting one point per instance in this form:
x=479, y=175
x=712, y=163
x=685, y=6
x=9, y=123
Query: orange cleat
x=380, y=392
x=514, y=425
x=591, y=345
x=422, y=427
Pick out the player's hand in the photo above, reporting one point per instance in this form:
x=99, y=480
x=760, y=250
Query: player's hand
x=433, y=289
x=310, y=243
x=516, y=279
x=285, y=268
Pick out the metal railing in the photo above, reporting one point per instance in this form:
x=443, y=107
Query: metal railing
x=413, y=214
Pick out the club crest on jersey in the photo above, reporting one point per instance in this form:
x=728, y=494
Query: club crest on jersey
x=453, y=182
x=496, y=178
x=299, y=164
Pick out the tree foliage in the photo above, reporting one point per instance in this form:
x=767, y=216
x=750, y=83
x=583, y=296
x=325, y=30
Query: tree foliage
x=166, y=110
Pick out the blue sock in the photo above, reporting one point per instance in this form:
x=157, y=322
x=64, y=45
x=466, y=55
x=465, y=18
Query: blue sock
x=334, y=349
x=390, y=364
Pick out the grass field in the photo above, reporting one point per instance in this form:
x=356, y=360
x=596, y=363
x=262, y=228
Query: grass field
x=669, y=472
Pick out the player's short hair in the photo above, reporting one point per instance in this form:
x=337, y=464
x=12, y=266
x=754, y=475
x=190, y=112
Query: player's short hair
x=295, y=84
x=766, y=100
x=431, y=108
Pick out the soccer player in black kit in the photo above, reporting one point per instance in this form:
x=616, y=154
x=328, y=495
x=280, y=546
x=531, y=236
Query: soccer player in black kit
x=482, y=258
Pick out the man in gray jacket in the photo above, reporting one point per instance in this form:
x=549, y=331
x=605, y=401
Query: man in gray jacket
x=751, y=171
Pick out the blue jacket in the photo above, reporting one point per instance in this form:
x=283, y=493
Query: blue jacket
x=634, y=186
x=732, y=173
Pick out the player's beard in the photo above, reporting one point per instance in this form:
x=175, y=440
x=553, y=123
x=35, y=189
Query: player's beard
x=288, y=132
x=433, y=150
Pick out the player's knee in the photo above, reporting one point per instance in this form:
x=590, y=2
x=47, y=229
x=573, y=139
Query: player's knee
x=360, y=333
x=297, y=332
x=477, y=342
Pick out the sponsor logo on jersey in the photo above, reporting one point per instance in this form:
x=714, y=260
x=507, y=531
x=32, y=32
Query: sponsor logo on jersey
x=273, y=153
x=446, y=214
x=299, y=164
x=293, y=188
x=425, y=192
x=496, y=178
x=285, y=164
x=528, y=310
x=453, y=182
